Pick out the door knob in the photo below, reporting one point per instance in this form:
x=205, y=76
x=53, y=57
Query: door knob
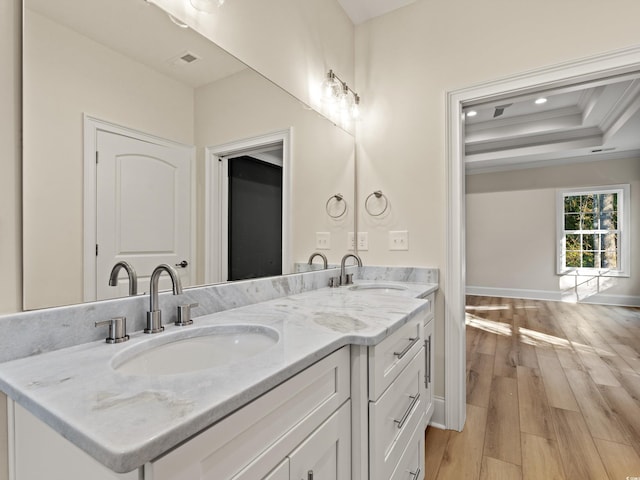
x=182, y=264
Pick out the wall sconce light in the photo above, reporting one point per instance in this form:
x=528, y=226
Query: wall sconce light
x=339, y=98
x=207, y=6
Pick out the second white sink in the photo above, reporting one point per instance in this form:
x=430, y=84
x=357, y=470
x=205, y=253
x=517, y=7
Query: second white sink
x=194, y=349
x=378, y=286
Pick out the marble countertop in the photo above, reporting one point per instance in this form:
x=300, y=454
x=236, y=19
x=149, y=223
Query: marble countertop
x=77, y=392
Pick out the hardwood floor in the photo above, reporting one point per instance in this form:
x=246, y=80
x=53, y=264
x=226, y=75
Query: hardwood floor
x=553, y=392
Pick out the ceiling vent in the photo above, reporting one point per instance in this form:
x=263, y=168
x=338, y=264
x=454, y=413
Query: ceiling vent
x=499, y=110
x=185, y=58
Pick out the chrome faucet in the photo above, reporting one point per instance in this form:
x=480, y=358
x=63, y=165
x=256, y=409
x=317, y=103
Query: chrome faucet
x=321, y=255
x=154, y=315
x=133, y=278
x=344, y=278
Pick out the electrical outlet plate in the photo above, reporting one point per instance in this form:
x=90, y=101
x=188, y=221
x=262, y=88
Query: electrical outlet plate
x=323, y=240
x=399, y=240
x=363, y=241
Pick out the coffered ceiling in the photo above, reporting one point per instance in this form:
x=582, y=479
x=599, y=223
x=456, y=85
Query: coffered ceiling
x=592, y=121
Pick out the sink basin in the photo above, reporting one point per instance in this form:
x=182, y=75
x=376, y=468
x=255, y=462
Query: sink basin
x=194, y=349
x=378, y=286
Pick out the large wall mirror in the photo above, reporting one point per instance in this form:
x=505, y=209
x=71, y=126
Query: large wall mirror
x=123, y=78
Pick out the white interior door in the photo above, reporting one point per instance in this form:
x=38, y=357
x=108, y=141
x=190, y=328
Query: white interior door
x=143, y=210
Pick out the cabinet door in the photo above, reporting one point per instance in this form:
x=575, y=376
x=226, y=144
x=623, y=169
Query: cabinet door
x=326, y=453
x=428, y=375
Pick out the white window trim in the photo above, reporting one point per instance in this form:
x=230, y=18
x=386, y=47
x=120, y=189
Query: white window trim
x=624, y=227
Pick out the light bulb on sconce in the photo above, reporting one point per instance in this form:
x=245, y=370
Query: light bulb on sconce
x=331, y=88
x=206, y=6
x=339, y=99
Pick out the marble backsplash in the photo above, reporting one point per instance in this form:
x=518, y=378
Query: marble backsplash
x=30, y=333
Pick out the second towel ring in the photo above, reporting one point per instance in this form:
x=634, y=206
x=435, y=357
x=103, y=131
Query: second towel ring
x=377, y=194
x=338, y=198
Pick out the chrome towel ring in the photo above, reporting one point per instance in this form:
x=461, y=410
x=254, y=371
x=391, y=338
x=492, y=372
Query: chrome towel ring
x=377, y=194
x=334, y=200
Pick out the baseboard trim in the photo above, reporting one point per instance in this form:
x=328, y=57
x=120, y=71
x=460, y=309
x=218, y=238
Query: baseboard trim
x=555, y=296
x=437, y=420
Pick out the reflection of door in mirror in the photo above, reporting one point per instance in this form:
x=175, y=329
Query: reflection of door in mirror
x=143, y=209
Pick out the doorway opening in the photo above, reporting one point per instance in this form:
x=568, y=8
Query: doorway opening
x=247, y=221
x=601, y=66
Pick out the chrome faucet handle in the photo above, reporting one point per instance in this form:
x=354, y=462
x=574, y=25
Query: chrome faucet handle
x=184, y=314
x=117, y=329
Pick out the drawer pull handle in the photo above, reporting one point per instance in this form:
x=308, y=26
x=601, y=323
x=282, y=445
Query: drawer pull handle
x=407, y=348
x=416, y=474
x=414, y=399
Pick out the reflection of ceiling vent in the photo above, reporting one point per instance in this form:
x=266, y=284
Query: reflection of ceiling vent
x=185, y=58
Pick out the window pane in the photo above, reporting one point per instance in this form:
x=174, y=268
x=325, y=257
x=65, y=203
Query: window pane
x=608, y=221
x=609, y=260
x=588, y=260
x=589, y=221
x=608, y=202
x=590, y=242
x=573, y=259
x=572, y=221
x=573, y=241
x=609, y=242
x=587, y=203
x=572, y=204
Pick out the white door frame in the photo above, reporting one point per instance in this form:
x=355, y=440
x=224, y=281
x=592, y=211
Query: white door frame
x=582, y=70
x=213, y=205
x=92, y=126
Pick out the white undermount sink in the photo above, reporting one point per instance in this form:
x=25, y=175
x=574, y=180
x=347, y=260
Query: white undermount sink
x=378, y=286
x=195, y=348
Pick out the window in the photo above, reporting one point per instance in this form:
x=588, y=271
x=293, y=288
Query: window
x=593, y=231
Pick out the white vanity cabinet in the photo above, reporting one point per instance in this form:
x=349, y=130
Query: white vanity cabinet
x=302, y=425
x=397, y=401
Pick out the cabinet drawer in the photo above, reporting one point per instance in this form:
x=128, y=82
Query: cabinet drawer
x=389, y=357
x=394, y=417
x=275, y=423
x=411, y=466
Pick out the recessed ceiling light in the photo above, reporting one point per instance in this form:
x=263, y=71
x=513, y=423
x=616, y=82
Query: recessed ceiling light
x=471, y=113
x=541, y=100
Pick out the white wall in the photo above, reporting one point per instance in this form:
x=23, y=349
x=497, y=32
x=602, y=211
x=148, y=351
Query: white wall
x=511, y=232
x=66, y=75
x=407, y=60
x=10, y=238
x=322, y=155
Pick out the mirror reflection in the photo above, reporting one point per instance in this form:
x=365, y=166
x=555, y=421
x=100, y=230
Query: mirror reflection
x=146, y=143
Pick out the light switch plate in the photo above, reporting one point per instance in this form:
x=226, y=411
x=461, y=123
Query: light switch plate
x=399, y=240
x=323, y=240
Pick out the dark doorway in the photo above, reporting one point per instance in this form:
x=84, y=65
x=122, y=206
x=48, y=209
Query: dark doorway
x=255, y=218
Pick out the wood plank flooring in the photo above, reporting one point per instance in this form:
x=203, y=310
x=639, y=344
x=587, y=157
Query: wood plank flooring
x=553, y=393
